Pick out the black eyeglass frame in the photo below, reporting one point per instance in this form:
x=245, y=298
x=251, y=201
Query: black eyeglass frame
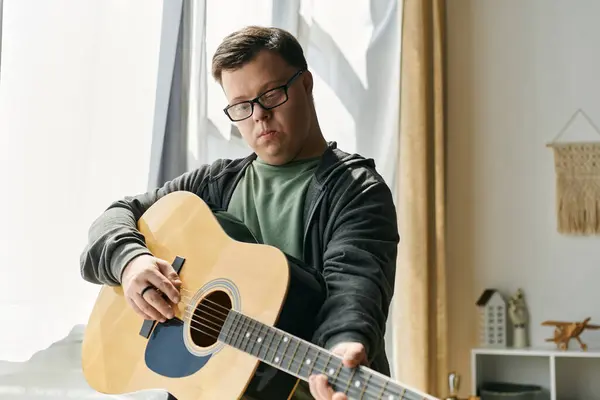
x=256, y=100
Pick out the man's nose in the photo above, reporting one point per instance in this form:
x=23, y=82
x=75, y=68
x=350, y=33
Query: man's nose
x=260, y=114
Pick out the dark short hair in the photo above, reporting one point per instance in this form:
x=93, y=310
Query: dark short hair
x=242, y=46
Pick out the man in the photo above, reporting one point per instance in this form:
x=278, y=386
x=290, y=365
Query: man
x=296, y=192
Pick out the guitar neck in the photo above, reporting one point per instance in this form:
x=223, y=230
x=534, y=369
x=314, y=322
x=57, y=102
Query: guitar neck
x=302, y=359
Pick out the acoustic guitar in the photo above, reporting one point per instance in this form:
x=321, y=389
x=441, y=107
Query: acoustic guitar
x=241, y=330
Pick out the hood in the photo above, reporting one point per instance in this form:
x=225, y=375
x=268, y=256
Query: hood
x=336, y=161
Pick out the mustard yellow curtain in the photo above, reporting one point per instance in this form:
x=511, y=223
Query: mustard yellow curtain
x=420, y=301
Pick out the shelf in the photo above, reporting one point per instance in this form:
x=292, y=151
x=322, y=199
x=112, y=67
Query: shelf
x=564, y=374
x=577, y=378
x=538, y=352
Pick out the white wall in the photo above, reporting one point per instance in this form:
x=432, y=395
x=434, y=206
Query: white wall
x=517, y=72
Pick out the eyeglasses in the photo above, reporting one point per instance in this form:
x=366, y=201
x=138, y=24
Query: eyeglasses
x=268, y=100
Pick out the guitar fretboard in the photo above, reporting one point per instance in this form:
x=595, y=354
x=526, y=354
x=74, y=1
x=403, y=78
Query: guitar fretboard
x=302, y=359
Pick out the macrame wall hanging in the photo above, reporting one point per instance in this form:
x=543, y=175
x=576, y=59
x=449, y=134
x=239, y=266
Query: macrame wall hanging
x=577, y=168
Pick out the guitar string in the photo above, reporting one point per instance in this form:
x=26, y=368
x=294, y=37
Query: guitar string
x=404, y=396
x=252, y=335
x=293, y=363
x=188, y=306
x=244, y=324
x=368, y=391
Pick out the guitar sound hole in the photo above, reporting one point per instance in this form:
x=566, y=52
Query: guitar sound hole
x=209, y=317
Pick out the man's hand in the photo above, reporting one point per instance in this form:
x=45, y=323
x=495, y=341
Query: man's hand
x=353, y=355
x=144, y=271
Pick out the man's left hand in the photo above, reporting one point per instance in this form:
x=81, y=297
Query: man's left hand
x=353, y=355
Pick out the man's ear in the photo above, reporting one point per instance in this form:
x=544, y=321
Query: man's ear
x=308, y=82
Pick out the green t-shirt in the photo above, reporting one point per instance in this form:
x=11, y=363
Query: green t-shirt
x=269, y=200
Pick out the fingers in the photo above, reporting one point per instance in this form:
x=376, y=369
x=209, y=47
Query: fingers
x=167, y=270
x=353, y=357
x=155, y=299
x=152, y=303
x=137, y=309
x=353, y=354
x=155, y=304
x=164, y=285
x=146, y=308
x=320, y=389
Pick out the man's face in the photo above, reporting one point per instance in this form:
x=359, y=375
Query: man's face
x=277, y=135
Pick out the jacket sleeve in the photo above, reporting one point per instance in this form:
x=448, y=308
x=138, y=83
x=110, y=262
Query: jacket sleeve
x=113, y=238
x=359, y=267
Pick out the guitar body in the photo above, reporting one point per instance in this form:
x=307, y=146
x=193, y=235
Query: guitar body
x=221, y=270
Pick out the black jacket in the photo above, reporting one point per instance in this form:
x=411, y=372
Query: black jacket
x=350, y=235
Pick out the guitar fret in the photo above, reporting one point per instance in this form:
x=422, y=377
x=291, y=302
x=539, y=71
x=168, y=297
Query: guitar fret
x=286, y=340
x=293, y=354
x=245, y=332
x=343, y=378
x=258, y=340
x=331, y=370
x=327, y=364
x=339, y=369
x=383, y=389
x=247, y=341
x=360, y=381
x=226, y=328
x=349, y=381
x=253, y=336
x=233, y=335
x=312, y=365
x=238, y=326
x=302, y=359
x=271, y=335
x=311, y=361
x=364, y=386
x=264, y=345
x=390, y=391
x=356, y=382
x=275, y=358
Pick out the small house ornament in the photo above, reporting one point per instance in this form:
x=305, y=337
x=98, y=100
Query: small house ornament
x=492, y=319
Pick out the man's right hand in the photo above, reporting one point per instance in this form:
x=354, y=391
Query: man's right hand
x=144, y=271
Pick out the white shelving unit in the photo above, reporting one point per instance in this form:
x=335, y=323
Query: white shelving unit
x=564, y=375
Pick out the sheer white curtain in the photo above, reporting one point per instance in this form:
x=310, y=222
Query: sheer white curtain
x=81, y=84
